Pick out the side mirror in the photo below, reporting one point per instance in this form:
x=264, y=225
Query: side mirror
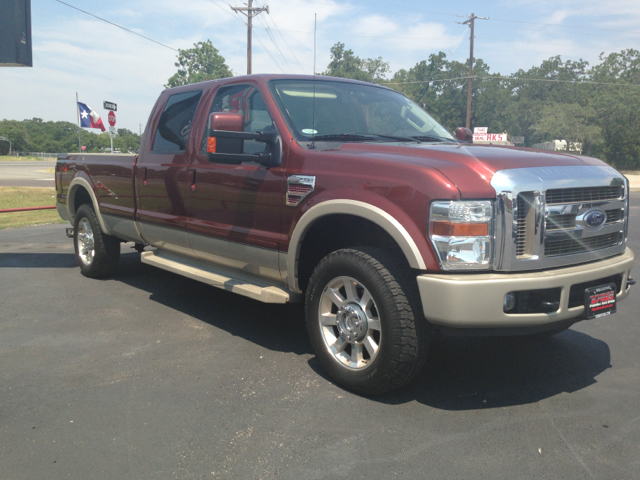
x=464, y=134
x=225, y=141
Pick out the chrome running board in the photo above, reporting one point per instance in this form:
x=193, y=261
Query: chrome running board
x=248, y=285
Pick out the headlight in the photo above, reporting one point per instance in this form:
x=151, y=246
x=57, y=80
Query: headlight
x=461, y=233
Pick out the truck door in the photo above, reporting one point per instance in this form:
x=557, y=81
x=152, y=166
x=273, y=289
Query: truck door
x=161, y=175
x=235, y=210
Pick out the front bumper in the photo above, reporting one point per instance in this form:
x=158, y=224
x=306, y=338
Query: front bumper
x=476, y=300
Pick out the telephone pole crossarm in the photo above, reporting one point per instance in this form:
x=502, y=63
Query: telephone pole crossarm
x=250, y=12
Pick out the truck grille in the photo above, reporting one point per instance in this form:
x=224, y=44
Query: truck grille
x=548, y=217
x=570, y=246
x=521, y=220
x=583, y=194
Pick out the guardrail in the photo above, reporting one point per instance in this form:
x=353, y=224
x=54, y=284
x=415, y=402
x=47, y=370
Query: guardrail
x=25, y=209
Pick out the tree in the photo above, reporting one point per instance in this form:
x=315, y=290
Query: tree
x=198, y=64
x=571, y=122
x=345, y=64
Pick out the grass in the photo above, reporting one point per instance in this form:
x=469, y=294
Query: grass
x=16, y=197
x=7, y=158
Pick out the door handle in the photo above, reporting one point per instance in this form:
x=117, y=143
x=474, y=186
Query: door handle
x=192, y=180
x=144, y=177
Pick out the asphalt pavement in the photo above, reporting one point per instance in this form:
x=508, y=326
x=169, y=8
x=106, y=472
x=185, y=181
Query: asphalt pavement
x=152, y=375
x=27, y=174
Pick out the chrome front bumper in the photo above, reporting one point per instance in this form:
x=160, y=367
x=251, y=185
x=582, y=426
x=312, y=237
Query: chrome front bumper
x=476, y=300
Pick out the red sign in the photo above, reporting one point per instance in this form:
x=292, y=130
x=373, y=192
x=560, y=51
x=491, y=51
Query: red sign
x=83, y=147
x=112, y=119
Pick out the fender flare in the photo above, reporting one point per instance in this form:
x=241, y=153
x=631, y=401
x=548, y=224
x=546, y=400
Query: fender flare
x=359, y=209
x=76, y=183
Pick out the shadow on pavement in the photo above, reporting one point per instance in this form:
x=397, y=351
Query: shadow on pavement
x=274, y=327
x=478, y=373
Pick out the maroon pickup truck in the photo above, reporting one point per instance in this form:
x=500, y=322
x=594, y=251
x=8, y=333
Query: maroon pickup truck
x=349, y=197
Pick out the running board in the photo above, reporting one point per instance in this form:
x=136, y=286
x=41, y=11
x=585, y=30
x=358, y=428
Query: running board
x=227, y=279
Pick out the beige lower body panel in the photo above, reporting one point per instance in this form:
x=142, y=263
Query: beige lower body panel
x=476, y=300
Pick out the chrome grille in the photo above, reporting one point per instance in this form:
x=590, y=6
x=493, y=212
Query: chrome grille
x=547, y=217
x=583, y=194
x=570, y=246
x=614, y=216
x=561, y=222
x=521, y=219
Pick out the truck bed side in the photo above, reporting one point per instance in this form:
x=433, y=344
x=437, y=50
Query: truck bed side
x=107, y=179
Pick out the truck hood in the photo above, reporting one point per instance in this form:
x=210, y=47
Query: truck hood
x=469, y=167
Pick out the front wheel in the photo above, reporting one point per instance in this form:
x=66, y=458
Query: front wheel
x=364, y=320
x=97, y=254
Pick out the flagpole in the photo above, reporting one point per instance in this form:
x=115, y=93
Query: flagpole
x=79, y=129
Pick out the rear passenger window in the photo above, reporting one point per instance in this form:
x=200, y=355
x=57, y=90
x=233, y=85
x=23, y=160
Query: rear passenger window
x=244, y=99
x=175, y=122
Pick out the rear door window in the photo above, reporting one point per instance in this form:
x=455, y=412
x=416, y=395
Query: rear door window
x=244, y=99
x=175, y=122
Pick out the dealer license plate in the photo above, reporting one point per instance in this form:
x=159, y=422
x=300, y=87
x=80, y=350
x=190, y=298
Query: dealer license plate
x=600, y=301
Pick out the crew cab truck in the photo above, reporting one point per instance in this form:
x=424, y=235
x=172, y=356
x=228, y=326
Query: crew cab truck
x=350, y=198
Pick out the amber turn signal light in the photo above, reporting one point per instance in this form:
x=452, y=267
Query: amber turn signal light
x=448, y=229
x=211, y=144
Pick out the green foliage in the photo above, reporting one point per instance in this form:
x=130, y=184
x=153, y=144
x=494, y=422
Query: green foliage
x=198, y=64
x=552, y=101
x=36, y=135
x=345, y=64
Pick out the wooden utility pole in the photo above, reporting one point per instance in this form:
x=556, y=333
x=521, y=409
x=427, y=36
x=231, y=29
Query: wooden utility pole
x=470, y=22
x=250, y=12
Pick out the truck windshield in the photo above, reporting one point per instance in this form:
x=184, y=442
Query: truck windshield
x=341, y=111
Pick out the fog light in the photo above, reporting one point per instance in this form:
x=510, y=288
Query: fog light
x=509, y=302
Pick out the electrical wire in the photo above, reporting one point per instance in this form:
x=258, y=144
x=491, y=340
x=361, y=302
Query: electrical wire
x=285, y=42
x=119, y=26
x=284, y=60
x=377, y=5
x=500, y=77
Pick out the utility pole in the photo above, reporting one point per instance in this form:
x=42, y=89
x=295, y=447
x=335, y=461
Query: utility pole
x=250, y=12
x=470, y=22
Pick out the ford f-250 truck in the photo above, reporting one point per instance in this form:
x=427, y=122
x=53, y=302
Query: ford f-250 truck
x=351, y=198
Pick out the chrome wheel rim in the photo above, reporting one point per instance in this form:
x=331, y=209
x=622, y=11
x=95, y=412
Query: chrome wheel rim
x=349, y=323
x=85, y=242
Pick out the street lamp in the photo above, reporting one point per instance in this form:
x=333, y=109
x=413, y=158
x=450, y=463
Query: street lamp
x=7, y=140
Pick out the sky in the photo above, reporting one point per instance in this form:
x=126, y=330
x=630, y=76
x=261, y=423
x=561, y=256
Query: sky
x=74, y=52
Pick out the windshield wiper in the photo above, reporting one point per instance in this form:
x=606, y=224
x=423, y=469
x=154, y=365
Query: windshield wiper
x=357, y=137
x=431, y=138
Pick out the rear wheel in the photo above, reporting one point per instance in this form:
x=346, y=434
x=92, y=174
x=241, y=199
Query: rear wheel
x=364, y=320
x=97, y=254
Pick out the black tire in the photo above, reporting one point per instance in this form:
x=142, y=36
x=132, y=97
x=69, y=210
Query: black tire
x=402, y=336
x=97, y=258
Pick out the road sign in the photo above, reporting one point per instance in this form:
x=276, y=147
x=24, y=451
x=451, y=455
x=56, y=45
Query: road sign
x=112, y=119
x=110, y=106
x=112, y=130
x=518, y=140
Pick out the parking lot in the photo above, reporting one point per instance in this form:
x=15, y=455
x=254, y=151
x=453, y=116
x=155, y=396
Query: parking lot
x=152, y=375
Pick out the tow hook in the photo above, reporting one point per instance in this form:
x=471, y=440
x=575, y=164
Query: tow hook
x=70, y=234
x=630, y=282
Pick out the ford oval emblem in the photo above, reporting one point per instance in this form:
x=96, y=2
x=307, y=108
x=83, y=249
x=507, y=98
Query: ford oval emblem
x=595, y=218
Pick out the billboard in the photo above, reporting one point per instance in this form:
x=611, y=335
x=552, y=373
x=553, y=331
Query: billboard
x=15, y=33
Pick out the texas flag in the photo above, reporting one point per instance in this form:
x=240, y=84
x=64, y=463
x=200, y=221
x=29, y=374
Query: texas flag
x=89, y=118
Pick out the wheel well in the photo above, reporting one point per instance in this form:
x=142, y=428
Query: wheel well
x=80, y=197
x=334, y=232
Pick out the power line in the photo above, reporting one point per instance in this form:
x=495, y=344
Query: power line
x=269, y=53
x=119, y=26
x=368, y=7
x=285, y=42
x=501, y=77
x=285, y=62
